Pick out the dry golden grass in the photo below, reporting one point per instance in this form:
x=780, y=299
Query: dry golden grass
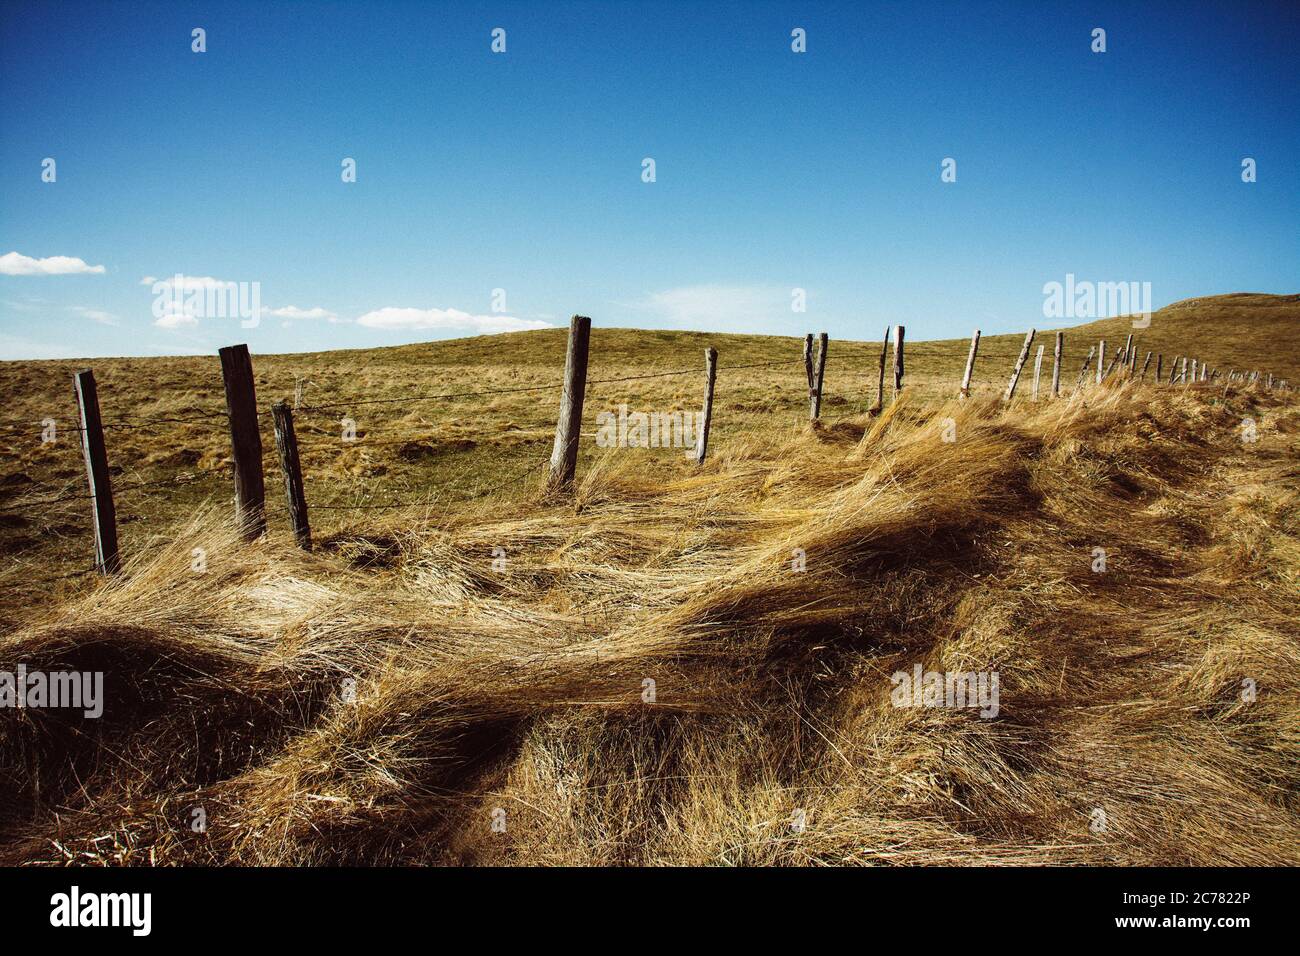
x=522, y=690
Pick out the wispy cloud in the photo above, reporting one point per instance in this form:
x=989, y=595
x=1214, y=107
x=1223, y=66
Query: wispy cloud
x=17, y=264
x=292, y=312
x=718, y=308
x=393, y=318
x=97, y=315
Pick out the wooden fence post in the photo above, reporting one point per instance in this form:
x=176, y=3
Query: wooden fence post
x=1056, y=365
x=898, y=360
x=710, y=376
x=1101, y=361
x=1038, y=369
x=1083, y=369
x=1133, y=362
x=1193, y=370
x=107, y=559
x=245, y=440
x=1145, y=364
x=286, y=443
x=568, y=427
x=815, y=395
x=970, y=365
x=1020, y=363
x=1119, y=354
x=808, y=364
x=1128, y=350
x=1160, y=367
x=880, y=392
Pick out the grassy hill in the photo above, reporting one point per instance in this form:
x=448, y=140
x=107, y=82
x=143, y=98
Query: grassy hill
x=380, y=699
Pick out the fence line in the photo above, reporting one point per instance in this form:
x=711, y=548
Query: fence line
x=250, y=457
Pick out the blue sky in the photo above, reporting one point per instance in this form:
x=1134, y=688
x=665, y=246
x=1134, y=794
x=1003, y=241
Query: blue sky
x=522, y=171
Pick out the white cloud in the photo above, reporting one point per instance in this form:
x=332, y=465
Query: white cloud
x=16, y=264
x=98, y=315
x=294, y=313
x=393, y=318
x=719, y=308
x=175, y=319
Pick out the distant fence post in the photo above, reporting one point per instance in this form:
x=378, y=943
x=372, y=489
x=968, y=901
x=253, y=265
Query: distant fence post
x=1056, y=365
x=1020, y=363
x=970, y=365
x=245, y=440
x=1128, y=350
x=107, y=559
x=1145, y=364
x=286, y=443
x=880, y=392
x=819, y=377
x=1101, y=360
x=898, y=360
x=568, y=427
x=710, y=377
x=1038, y=369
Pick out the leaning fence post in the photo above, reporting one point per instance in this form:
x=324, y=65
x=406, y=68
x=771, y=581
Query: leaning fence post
x=970, y=365
x=1056, y=365
x=1083, y=369
x=1038, y=369
x=710, y=376
x=245, y=440
x=1020, y=363
x=898, y=360
x=568, y=427
x=1101, y=360
x=286, y=443
x=808, y=363
x=880, y=392
x=107, y=559
x=1147, y=362
x=819, y=376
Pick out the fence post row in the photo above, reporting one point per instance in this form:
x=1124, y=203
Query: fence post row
x=286, y=443
x=970, y=365
x=898, y=360
x=107, y=559
x=1020, y=363
x=245, y=440
x=819, y=377
x=1056, y=365
x=568, y=427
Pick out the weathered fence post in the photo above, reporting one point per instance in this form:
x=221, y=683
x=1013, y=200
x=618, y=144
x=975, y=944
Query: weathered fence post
x=245, y=440
x=1020, y=363
x=1101, y=360
x=808, y=364
x=819, y=377
x=1160, y=367
x=1083, y=369
x=1119, y=354
x=1133, y=362
x=1193, y=370
x=1145, y=364
x=107, y=559
x=898, y=360
x=1038, y=369
x=1056, y=365
x=568, y=427
x=1182, y=375
x=970, y=365
x=286, y=443
x=880, y=392
x=1128, y=350
x=710, y=376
